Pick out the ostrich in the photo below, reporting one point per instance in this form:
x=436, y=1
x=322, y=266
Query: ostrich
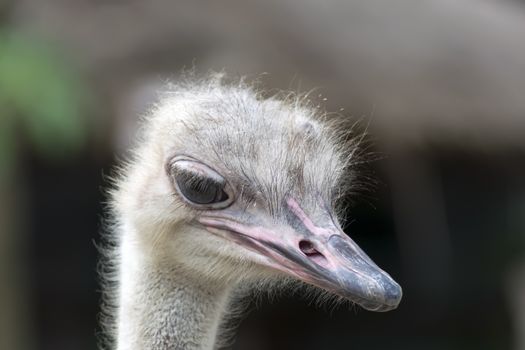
x=225, y=190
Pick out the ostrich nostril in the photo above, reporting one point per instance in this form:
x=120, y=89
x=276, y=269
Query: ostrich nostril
x=309, y=250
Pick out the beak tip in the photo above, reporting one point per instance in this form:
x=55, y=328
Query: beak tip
x=393, y=295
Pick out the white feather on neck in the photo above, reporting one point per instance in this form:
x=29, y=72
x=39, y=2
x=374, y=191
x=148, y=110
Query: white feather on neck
x=163, y=307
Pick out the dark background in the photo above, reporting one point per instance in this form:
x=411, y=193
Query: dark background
x=441, y=85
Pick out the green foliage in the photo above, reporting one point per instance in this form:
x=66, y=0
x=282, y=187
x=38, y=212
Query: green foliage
x=41, y=96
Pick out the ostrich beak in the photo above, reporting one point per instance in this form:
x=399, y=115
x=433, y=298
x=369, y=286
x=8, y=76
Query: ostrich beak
x=320, y=255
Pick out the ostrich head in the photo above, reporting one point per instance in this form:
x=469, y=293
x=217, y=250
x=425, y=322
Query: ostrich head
x=228, y=187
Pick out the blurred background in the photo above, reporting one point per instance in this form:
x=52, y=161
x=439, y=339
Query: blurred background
x=440, y=82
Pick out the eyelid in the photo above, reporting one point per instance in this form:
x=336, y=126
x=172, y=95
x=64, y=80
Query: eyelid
x=182, y=164
x=195, y=168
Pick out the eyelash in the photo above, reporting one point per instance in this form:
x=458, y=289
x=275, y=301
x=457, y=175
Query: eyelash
x=197, y=181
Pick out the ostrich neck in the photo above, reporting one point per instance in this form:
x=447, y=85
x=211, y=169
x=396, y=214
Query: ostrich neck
x=164, y=307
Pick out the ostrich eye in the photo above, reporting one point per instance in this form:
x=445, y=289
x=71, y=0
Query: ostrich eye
x=201, y=190
x=199, y=185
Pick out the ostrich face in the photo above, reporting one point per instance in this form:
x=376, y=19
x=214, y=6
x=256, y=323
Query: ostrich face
x=251, y=184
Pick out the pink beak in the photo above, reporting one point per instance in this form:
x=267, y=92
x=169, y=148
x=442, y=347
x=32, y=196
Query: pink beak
x=320, y=255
